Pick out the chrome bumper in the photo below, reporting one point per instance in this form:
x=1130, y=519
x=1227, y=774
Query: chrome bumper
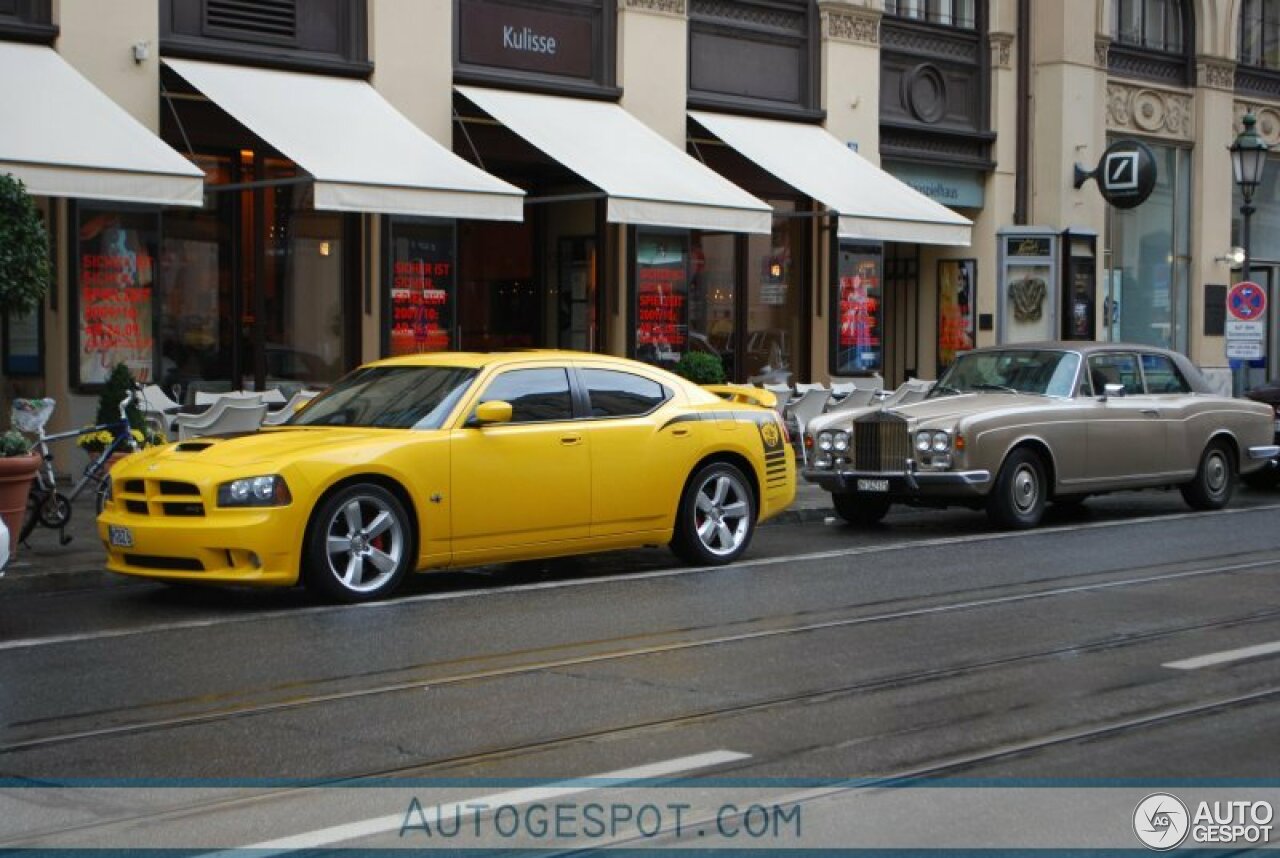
x=1266, y=451
x=953, y=483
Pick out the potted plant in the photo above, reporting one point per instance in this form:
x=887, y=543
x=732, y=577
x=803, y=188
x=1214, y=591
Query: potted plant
x=700, y=368
x=113, y=392
x=25, y=274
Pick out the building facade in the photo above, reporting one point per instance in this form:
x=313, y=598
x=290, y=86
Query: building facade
x=269, y=193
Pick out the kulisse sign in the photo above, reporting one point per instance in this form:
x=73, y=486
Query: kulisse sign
x=509, y=36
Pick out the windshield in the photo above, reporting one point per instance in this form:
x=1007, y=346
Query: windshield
x=389, y=397
x=1046, y=373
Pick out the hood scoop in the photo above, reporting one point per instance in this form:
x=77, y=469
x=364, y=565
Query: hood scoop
x=193, y=446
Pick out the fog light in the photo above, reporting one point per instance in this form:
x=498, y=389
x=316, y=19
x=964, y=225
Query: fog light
x=822, y=460
x=254, y=560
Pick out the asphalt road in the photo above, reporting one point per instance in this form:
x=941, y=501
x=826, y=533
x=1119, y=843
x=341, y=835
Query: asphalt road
x=929, y=645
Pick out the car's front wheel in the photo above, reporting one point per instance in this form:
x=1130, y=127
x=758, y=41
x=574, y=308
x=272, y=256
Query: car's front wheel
x=716, y=517
x=1017, y=500
x=860, y=510
x=1214, y=481
x=359, y=545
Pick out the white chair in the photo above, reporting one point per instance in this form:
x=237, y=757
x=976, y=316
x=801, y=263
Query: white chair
x=805, y=387
x=224, y=416
x=839, y=390
x=806, y=407
x=911, y=390
x=158, y=409
x=782, y=392
x=210, y=397
x=861, y=397
x=280, y=415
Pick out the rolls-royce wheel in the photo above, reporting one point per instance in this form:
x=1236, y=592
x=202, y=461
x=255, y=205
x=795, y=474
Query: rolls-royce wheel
x=716, y=517
x=359, y=545
x=860, y=510
x=1215, y=478
x=1017, y=500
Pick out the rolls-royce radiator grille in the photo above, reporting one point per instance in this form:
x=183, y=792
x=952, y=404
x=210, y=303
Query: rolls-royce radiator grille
x=881, y=443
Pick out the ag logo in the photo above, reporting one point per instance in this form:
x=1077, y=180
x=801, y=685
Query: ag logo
x=769, y=432
x=1161, y=821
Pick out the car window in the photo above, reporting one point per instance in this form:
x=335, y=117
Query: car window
x=536, y=395
x=621, y=394
x=1120, y=369
x=1162, y=376
x=1048, y=373
x=391, y=397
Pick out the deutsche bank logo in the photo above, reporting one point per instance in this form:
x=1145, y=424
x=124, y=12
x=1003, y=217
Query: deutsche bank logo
x=1160, y=820
x=1120, y=171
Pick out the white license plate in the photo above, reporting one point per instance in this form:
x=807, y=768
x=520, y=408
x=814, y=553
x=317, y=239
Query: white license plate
x=873, y=485
x=121, y=537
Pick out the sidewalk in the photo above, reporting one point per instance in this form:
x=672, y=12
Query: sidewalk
x=45, y=566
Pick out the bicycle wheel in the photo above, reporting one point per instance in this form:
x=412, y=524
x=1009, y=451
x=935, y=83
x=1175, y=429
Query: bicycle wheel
x=34, y=501
x=55, y=511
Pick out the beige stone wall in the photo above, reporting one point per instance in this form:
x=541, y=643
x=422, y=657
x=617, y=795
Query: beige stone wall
x=653, y=63
x=98, y=39
x=411, y=45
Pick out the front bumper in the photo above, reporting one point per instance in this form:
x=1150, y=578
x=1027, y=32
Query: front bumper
x=1264, y=451
x=906, y=484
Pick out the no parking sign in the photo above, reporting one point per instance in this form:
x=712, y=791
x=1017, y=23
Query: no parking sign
x=1246, y=321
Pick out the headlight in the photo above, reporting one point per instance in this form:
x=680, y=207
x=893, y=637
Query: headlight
x=254, y=491
x=824, y=440
x=840, y=441
x=924, y=440
x=941, y=442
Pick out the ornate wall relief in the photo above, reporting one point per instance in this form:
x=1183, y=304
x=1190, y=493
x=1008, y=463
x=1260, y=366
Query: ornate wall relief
x=1268, y=126
x=857, y=26
x=1216, y=73
x=1001, y=50
x=1151, y=111
x=662, y=7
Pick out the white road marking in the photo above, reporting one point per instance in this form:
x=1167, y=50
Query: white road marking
x=626, y=577
x=393, y=822
x=1225, y=656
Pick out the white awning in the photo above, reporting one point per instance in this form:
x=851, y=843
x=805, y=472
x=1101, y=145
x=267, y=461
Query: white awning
x=364, y=155
x=647, y=179
x=871, y=203
x=64, y=138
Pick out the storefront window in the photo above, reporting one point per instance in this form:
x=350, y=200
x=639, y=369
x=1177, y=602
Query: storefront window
x=500, y=305
x=662, y=296
x=857, y=308
x=775, y=297
x=1147, y=287
x=421, y=293
x=116, y=254
x=712, y=292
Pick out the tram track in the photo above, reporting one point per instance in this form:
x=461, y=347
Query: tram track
x=890, y=611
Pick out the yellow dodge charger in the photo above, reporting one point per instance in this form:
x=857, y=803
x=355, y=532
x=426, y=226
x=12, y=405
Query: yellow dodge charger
x=456, y=459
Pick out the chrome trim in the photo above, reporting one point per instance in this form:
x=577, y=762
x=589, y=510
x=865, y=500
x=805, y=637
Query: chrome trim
x=1266, y=451
x=920, y=478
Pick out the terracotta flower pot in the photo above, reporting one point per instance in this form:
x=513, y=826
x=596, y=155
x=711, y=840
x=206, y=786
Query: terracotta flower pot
x=113, y=459
x=17, y=473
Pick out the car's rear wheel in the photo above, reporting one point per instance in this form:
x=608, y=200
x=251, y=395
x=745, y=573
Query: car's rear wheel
x=1017, y=500
x=359, y=544
x=860, y=510
x=1215, y=479
x=716, y=518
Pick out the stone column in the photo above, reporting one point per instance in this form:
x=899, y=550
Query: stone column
x=653, y=63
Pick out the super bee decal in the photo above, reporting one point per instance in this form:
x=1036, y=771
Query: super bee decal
x=775, y=452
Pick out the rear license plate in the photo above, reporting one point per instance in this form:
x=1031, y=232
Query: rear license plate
x=121, y=537
x=873, y=485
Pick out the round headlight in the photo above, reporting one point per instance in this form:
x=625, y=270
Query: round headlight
x=923, y=440
x=941, y=442
x=264, y=487
x=840, y=441
x=240, y=489
x=824, y=440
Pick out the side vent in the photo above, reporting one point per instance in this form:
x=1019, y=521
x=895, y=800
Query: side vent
x=271, y=20
x=192, y=446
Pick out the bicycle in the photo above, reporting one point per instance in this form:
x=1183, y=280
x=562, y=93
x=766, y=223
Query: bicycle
x=47, y=506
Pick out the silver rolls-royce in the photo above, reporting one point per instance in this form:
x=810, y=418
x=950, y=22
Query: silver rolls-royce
x=1011, y=428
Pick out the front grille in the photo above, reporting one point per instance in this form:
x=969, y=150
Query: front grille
x=161, y=497
x=881, y=443
x=166, y=564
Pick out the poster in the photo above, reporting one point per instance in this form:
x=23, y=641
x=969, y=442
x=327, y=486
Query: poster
x=662, y=296
x=858, y=307
x=957, y=316
x=116, y=273
x=422, y=291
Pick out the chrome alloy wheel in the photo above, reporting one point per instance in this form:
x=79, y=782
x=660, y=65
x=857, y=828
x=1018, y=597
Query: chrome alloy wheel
x=722, y=513
x=1026, y=488
x=365, y=543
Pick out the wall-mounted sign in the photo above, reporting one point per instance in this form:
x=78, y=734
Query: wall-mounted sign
x=662, y=296
x=1246, y=325
x=515, y=36
x=1029, y=246
x=422, y=292
x=950, y=186
x=1126, y=174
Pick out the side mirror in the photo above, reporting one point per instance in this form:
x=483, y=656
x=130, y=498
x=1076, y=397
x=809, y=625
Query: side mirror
x=494, y=411
x=1110, y=390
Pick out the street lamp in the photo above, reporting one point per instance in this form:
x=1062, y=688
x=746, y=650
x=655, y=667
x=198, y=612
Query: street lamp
x=1248, y=160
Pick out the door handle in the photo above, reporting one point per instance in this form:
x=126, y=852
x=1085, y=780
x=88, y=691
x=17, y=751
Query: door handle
x=680, y=433
x=1150, y=412
x=571, y=440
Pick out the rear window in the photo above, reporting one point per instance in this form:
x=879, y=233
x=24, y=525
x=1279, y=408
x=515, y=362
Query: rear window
x=1119, y=369
x=621, y=394
x=1163, y=376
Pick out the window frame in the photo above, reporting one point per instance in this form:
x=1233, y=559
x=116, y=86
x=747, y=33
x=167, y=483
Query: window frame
x=575, y=405
x=1126, y=59
x=1173, y=369
x=579, y=374
x=892, y=10
x=32, y=21
x=1137, y=363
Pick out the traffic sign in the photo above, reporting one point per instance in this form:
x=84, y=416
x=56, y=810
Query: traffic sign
x=1247, y=302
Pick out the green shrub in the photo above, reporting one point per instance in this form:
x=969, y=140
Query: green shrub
x=13, y=443
x=25, y=271
x=117, y=387
x=700, y=368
